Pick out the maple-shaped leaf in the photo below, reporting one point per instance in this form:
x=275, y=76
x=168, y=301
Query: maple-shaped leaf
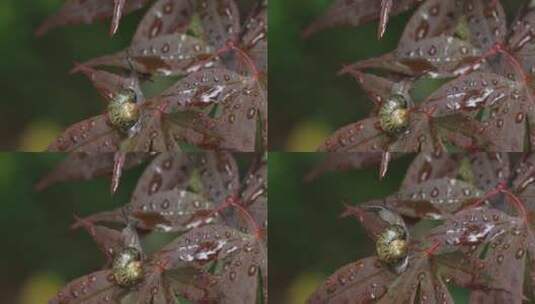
x=88, y=11
x=219, y=176
x=84, y=166
x=252, y=43
x=175, y=45
x=443, y=39
x=357, y=12
x=428, y=166
x=344, y=161
x=95, y=134
x=169, y=211
x=503, y=243
x=109, y=241
x=158, y=201
x=163, y=18
x=220, y=21
x=169, y=54
x=165, y=172
x=479, y=22
x=471, y=92
x=437, y=57
x=91, y=289
x=242, y=259
x=446, y=195
x=487, y=170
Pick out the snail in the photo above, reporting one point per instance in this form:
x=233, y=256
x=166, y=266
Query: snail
x=394, y=114
x=127, y=267
x=123, y=112
x=392, y=245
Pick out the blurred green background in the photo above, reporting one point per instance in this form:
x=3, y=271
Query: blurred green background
x=39, y=251
x=308, y=101
x=308, y=240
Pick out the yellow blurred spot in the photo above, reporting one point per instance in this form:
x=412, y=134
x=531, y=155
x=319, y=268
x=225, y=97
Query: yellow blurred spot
x=307, y=136
x=39, y=288
x=302, y=287
x=38, y=135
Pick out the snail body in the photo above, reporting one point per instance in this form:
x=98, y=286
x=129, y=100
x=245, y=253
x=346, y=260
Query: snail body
x=394, y=114
x=123, y=112
x=392, y=245
x=127, y=267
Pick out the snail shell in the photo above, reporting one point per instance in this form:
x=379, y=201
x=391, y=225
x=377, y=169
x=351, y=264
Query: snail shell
x=394, y=114
x=127, y=267
x=392, y=245
x=123, y=112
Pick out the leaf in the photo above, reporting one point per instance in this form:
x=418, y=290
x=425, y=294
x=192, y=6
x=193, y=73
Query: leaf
x=244, y=119
x=508, y=240
x=363, y=281
x=507, y=123
x=167, y=171
x=109, y=85
x=437, y=57
x=374, y=218
x=479, y=22
x=428, y=166
x=220, y=21
x=254, y=36
x=171, y=54
x=239, y=278
x=93, y=288
x=87, y=11
x=201, y=246
x=344, y=161
x=255, y=182
x=378, y=88
x=219, y=176
x=205, y=87
x=431, y=19
x=354, y=13
x=471, y=92
x=173, y=210
x=445, y=194
x=364, y=135
x=118, y=8
x=108, y=240
x=420, y=283
x=91, y=135
x=84, y=166
x=163, y=18
x=490, y=169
